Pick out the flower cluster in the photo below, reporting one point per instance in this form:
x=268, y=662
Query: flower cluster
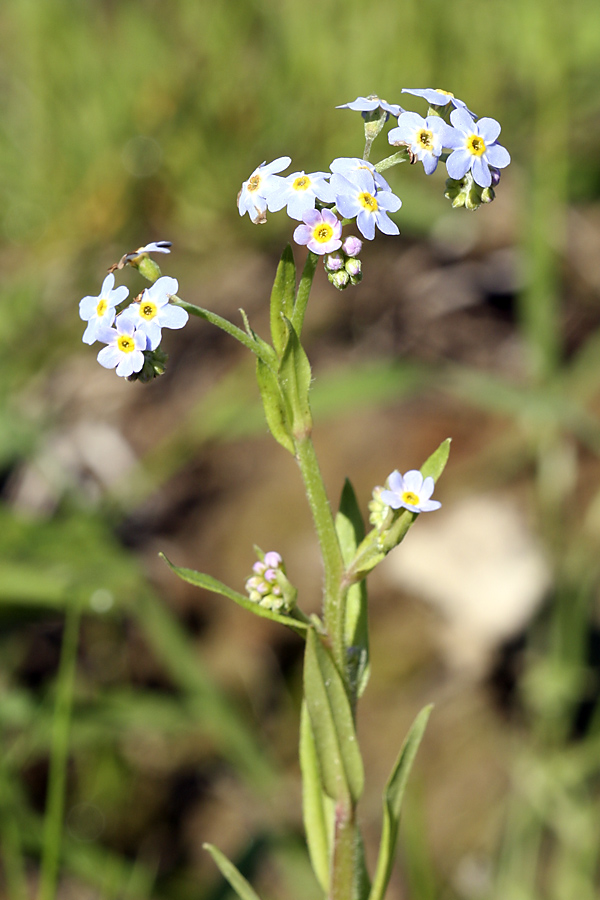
x=355, y=189
x=132, y=331
x=268, y=585
x=343, y=266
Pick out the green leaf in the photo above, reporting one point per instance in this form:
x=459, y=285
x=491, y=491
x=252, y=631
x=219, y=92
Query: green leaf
x=294, y=380
x=330, y=713
x=436, y=463
x=351, y=531
x=235, y=878
x=274, y=406
x=282, y=298
x=392, y=803
x=317, y=808
x=208, y=583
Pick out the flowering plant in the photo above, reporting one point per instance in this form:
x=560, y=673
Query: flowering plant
x=336, y=663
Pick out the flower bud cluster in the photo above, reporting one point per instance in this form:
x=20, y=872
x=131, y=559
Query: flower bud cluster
x=268, y=585
x=343, y=267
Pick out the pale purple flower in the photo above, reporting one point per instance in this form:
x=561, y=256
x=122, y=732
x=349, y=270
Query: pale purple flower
x=368, y=104
x=351, y=166
x=256, y=192
x=425, y=138
x=125, y=347
x=475, y=148
x=360, y=198
x=154, y=311
x=410, y=491
x=438, y=97
x=321, y=231
x=299, y=191
x=100, y=310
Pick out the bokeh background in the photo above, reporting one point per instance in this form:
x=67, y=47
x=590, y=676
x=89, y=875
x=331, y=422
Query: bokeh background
x=126, y=122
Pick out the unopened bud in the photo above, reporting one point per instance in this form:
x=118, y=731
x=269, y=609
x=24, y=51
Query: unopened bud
x=339, y=280
x=334, y=262
x=352, y=246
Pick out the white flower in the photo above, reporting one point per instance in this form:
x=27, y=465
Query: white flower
x=125, y=347
x=410, y=491
x=100, y=311
x=154, y=311
x=255, y=194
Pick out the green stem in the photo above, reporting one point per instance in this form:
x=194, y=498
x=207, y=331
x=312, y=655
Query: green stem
x=344, y=868
x=330, y=548
x=306, y=280
x=55, y=802
x=221, y=323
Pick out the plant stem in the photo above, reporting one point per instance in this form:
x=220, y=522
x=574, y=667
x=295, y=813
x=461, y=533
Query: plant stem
x=306, y=280
x=343, y=869
x=330, y=548
x=55, y=801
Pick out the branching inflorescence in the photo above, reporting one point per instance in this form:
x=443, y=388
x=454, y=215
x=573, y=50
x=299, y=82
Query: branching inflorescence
x=337, y=665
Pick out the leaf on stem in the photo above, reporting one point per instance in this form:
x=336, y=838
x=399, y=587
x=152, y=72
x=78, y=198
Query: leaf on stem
x=208, y=583
x=392, y=803
x=282, y=298
x=317, y=807
x=294, y=379
x=436, y=463
x=351, y=531
x=274, y=406
x=330, y=713
x=243, y=888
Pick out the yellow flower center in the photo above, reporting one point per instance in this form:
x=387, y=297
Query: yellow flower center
x=101, y=308
x=322, y=232
x=301, y=183
x=410, y=498
x=425, y=139
x=148, y=310
x=254, y=182
x=476, y=145
x=447, y=93
x=125, y=343
x=368, y=201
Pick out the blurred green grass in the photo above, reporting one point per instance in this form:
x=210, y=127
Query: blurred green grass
x=126, y=121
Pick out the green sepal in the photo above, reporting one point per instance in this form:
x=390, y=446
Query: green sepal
x=243, y=888
x=274, y=406
x=282, y=298
x=392, y=803
x=147, y=267
x=332, y=723
x=317, y=807
x=294, y=379
x=208, y=583
x=351, y=531
x=377, y=544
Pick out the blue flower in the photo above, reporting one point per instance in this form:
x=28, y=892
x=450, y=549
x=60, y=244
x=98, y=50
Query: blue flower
x=351, y=166
x=410, y=491
x=437, y=97
x=424, y=137
x=321, y=231
x=299, y=191
x=475, y=148
x=154, y=311
x=100, y=310
x=366, y=105
x=361, y=198
x=125, y=347
x=255, y=193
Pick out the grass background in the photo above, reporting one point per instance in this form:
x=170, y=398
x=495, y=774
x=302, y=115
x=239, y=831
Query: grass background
x=125, y=122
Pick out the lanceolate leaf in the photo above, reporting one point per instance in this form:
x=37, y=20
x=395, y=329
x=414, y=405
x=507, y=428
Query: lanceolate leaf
x=350, y=529
x=392, y=803
x=316, y=806
x=199, y=579
x=436, y=463
x=235, y=878
x=330, y=714
x=294, y=378
x=282, y=298
x=274, y=406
